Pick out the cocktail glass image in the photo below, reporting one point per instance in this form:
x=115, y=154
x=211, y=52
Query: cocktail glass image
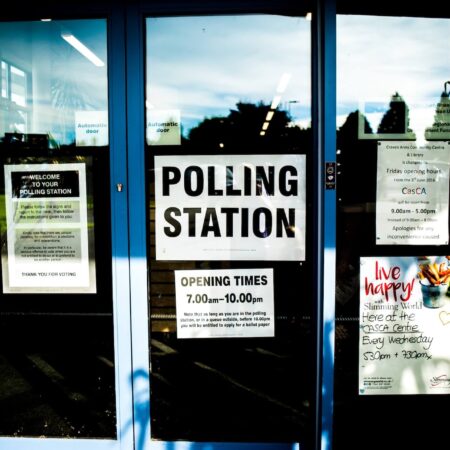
x=434, y=296
x=434, y=281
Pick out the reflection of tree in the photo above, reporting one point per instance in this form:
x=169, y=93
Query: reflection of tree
x=396, y=118
x=441, y=125
x=66, y=99
x=12, y=116
x=358, y=157
x=355, y=157
x=356, y=191
x=240, y=131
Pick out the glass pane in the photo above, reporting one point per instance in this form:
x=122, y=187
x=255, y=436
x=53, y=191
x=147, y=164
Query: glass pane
x=228, y=149
x=18, y=86
x=4, y=79
x=393, y=189
x=54, y=81
x=56, y=321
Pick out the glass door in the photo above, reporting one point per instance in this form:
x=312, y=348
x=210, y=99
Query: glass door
x=228, y=158
x=59, y=312
x=201, y=258
x=393, y=154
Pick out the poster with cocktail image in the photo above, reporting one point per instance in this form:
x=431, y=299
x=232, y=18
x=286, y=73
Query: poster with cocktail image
x=404, y=325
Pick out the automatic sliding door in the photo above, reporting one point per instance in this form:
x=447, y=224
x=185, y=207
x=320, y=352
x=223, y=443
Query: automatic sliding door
x=57, y=364
x=228, y=164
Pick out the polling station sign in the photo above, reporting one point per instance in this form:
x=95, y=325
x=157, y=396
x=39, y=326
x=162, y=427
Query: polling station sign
x=230, y=207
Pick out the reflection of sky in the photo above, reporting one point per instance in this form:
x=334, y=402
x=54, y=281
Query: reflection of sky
x=62, y=80
x=378, y=56
x=203, y=66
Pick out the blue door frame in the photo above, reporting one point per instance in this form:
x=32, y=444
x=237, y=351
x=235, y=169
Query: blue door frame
x=128, y=208
x=324, y=115
x=324, y=95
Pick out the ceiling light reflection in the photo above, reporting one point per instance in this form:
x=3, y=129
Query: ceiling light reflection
x=77, y=45
x=275, y=102
x=269, y=116
x=284, y=80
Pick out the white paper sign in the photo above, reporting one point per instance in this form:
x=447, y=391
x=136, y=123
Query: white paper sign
x=224, y=303
x=91, y=128
x=47, y=229
x=163, y=127
x=412, y=193
x=404, y=326
x=230, y=207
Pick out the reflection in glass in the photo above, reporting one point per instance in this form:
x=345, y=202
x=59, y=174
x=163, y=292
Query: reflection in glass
x=392, y=88
x=57, y=368
x=370, y=76
x=197, y=76
x=54, y=81
x=4, y=79
x=229, y=86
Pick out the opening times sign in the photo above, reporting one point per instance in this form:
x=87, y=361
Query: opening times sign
x=412, y=193
x=47, y=229
x=224, y=303
x=230, y=207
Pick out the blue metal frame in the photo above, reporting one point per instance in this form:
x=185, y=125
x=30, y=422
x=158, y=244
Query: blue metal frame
x=119, y=220
x=324, y=118
x=137, y=219
x=325, y=77
x=182, y=445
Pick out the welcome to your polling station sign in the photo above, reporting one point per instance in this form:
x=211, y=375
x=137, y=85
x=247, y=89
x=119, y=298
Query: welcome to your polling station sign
x=47, y=230
x=230, y=207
